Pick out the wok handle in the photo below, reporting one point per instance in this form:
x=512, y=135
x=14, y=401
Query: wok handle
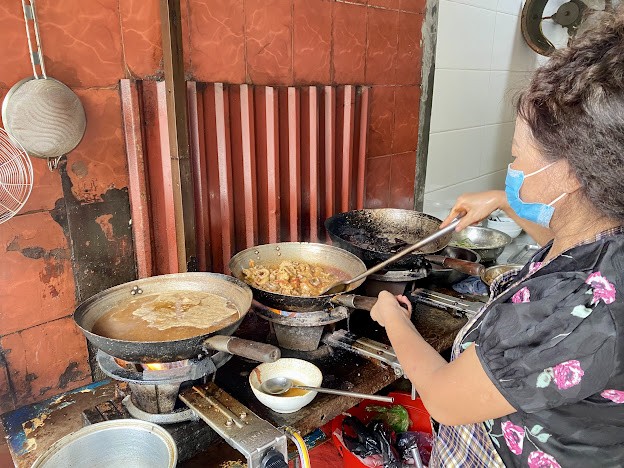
x=253, y=350
x=463, y=266
x=354, y=301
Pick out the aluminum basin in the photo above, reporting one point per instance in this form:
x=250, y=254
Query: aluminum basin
x=122, y=443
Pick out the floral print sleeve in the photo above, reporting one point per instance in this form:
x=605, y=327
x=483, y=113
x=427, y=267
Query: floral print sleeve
x=549, y=348
x=552, y=345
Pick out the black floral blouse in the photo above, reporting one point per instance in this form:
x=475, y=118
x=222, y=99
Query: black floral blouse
x=553, y=344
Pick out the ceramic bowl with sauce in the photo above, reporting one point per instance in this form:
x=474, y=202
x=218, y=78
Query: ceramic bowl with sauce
x=299, y=371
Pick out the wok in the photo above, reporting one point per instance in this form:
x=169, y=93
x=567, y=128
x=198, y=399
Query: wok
x=218, y=338
x=374, y=235
x=488, y=243
x=319, y=254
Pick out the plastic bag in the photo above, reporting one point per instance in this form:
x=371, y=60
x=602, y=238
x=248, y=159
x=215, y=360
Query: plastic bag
x=394, y=416
x=471, y=285
x=374, y=438
x=408, y=440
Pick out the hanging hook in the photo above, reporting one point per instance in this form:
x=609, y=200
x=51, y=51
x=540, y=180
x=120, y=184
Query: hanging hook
x=54, y=162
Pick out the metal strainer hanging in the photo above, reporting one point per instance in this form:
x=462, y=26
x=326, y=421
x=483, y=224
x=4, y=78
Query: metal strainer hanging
x=40, y=113
x=16, y=177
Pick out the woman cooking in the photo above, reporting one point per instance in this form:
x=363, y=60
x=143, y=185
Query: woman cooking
x=537, y=378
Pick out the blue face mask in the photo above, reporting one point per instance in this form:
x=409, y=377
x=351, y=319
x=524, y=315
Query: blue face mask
x=539, y=213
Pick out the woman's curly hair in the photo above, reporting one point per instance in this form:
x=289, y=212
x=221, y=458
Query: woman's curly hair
x=574, y=107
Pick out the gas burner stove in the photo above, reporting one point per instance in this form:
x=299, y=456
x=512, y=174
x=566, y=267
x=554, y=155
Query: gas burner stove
x=154, y=388
x=300, y=331
x=177, y=395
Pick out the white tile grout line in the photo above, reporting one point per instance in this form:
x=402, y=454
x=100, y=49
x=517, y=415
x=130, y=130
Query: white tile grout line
x=481, y=176
x=480, y=7
x=473, y=127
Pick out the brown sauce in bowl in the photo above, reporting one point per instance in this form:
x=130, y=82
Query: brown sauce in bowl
x=167, y=317
x=292, y=392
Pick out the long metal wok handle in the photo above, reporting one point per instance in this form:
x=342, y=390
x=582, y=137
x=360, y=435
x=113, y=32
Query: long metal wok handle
x=36, y=57
x=353, y=301
x=261, y=352
x=331, y=391
x=427, y=240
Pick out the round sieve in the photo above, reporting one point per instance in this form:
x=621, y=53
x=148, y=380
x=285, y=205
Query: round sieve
x=40, y=113
x=16, y=177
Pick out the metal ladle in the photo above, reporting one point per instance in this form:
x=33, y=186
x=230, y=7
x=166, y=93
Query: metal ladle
x=343, y=286
x=280, y=385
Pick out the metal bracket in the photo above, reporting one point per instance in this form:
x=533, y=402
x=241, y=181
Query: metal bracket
x=365, y=347
x=235, y=423
x=455, y=305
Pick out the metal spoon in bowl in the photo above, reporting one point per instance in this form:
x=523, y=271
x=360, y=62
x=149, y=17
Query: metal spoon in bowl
x=280, y=385
x=343, y=286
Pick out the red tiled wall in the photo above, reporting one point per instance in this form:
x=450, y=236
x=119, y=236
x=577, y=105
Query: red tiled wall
x=285, y=42
x=47, y=267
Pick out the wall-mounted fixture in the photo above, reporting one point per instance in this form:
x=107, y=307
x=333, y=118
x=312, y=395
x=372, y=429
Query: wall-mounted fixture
x=574, y=15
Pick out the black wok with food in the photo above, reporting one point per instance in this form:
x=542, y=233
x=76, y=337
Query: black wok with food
x=342, y=264
x=195, y=326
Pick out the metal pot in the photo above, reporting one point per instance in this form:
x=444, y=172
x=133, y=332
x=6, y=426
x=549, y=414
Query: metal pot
x=448, y=276
x=113, y=444
x=488, y=243
x=237, y=292
x=492, y=273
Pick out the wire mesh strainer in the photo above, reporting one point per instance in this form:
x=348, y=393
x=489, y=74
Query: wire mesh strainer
x=16, y=177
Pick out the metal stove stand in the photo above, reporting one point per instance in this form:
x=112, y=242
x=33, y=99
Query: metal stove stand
x=300, y=331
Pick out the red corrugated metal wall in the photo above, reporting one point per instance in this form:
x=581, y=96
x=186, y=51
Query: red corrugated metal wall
x=270, y=164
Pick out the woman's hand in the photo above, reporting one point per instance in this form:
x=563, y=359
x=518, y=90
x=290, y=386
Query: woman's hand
x=388, y=306
x=475, y=207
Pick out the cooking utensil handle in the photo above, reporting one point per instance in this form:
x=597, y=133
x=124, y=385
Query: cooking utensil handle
x=332, y=391
x=354, y=301
x=463, y=266
x=36, y=57
x=253, y=350
x=427, y=240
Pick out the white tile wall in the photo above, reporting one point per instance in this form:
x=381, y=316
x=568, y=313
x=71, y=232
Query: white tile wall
x=511, y=7
x=510, y=52
x=448, y=163
x=487, y=4
x=476, y=25
x=482, y=61
x=496, y=147
x=458, y=99
x=503, y=88
x=448, y=195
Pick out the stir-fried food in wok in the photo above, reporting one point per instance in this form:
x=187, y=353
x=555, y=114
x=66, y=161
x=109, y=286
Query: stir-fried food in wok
x=292, y=278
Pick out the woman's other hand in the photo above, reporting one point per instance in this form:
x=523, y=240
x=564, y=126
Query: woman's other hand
x=389, y=306
x=475, y=207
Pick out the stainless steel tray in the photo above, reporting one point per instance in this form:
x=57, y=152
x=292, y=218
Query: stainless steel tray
x=523, y=255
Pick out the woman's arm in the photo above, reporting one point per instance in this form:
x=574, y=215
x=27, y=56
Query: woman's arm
x=477, y=206
x=454, y=393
